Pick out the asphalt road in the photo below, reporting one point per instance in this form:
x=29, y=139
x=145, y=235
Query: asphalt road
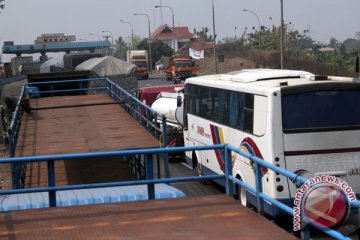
x=154, y=80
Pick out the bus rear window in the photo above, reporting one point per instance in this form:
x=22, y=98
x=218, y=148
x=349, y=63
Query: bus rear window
x=321, y=111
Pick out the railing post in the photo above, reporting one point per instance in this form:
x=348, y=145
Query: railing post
x=165, y=143
x=150, y=176
x=164, y=131
x=52, y=89
x=228, y=171
x=305, y=231
x=148, y=120
x=11, y=143
x=154, y=130
x=51, y=182
x=158, y=166
x=259, y=200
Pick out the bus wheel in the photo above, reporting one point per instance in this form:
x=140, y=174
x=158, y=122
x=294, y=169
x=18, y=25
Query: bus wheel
x=197, y=167
x=240, y=194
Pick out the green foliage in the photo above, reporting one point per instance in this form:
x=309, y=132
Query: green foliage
x=121, y=48
x=158, y=49
x=300, y=51
x=270, y=38
x=352, y=45
x=204, y=34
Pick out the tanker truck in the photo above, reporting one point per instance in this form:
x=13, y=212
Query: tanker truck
x=166, y=104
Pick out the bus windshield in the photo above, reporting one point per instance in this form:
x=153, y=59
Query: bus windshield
x=321, y=111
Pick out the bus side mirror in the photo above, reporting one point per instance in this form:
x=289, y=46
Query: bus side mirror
x=357, y=64
x=178, y=101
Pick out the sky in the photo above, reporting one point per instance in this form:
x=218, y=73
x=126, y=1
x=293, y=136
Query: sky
x=22, y=20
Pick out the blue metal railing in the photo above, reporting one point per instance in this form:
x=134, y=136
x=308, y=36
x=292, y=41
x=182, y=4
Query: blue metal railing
x=17, y=169
x=150, y=181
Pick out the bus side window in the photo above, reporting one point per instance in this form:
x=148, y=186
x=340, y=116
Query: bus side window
x=249, y=113
x=233, y=109
x=240, y=116
x=260, y=114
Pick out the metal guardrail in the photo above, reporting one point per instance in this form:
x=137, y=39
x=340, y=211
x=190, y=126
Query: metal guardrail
x=17, y=169
x=150, y=178
x=138, y=110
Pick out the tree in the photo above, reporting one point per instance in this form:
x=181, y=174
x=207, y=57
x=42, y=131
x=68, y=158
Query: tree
x=333, y=42
x=121, y=48
x=158, y=49
x=352, y=45
x=204, y=34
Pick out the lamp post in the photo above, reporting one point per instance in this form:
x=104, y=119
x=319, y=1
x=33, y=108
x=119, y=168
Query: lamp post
x=173, y=22
x=282, y=36
x=213, y=18
x=132, y=33
x=144, y=14
x=96, y=35
x=246, y=10
x=161, y=16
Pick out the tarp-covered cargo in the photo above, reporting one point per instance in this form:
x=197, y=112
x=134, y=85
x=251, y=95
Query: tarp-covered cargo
x=120, y=72
x=54, y=64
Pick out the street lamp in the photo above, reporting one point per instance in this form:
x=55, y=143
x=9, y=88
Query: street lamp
x=144, y=14
x=96, y=35
x=112, y=37
x=213, y=17
x=246, y=10
x=132, y=33
x=173, y=22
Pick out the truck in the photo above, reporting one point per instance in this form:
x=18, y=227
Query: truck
x=179, y=68
x=167, y=105
x=140, y=59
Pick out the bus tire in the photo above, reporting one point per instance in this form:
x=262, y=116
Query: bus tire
x=240, y=194
x=195, y=162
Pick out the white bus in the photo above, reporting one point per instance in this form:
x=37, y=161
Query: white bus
x=306, y=124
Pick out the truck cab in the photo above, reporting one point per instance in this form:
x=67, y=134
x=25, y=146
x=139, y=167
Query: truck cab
x=180, y=67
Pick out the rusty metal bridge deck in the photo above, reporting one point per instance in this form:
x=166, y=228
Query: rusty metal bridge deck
x=206, y=217
x=77, y=124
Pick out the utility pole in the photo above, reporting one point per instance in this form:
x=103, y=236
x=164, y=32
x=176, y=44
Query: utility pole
x=161, y=13
x=282, y=36
x=213, y=18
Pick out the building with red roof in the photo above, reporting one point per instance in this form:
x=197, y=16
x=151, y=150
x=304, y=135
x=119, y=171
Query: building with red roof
x=184, y=39
x=165, y=33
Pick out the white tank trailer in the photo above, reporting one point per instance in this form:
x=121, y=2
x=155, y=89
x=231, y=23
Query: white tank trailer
x=166, y=104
